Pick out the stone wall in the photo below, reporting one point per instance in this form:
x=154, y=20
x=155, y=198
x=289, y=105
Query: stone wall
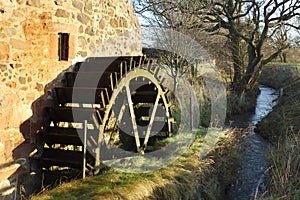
x=29, y=52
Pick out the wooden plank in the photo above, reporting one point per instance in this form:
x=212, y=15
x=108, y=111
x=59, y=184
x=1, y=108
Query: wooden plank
x=83, y=79
x=59, y=135
x=89, y=79
x=83, y=95
x=63, y=158
x=101, y=64
x=65, y=114
x=106, y=63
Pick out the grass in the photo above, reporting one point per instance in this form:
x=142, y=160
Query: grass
x=277, y=75
x=285, y=171
x=208, y=177
x=282, y=128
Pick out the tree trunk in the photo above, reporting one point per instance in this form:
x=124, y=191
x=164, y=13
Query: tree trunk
x=238, y=64
x=249, y=78
x=284, y=57
x=175, y=83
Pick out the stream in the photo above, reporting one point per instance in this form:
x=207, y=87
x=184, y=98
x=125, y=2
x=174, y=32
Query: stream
x=252, y=173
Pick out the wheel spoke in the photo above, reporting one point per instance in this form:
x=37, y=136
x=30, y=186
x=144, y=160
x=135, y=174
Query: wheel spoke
x=167, y=113
x=151, y=120
x=133, y=118
x=122, y=110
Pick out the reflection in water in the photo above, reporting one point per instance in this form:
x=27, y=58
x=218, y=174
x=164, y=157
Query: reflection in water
x=253, y=171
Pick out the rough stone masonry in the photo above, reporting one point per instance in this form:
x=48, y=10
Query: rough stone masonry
x=38, y=40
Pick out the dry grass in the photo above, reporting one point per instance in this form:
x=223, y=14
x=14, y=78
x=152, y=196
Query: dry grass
x=285, y=168
x=282, y=128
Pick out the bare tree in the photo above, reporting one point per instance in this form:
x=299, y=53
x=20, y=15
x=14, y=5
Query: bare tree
x=173, y=15
x=246, y=23
x=251, y=22
x=280, y=41
x=179, y=61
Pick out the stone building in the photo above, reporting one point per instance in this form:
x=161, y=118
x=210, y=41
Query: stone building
x=38, y=40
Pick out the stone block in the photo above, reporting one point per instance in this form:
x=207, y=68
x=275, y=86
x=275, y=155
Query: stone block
x=20, y=1
x=88, y=8
x=18, y=65
x=9, y=148
x=37, y=25
x=22, y=80
x=77, y=4
x=89, y=30
x=18, y=13
x=4, y=51
x=82, y=53
x=123, y=22
x=62, y=13
x=29, y=79
x=114, y=23
x=11, y=32
x=83, y=18
x=39, y=87
x=11, y=84
x=19, y=44
x=3, y=67
x=4, y=24
x=81, y=29
x=35, y=3
x=82, y=42
x=102, y=24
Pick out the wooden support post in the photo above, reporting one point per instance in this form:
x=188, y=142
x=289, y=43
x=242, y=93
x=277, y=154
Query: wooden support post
x=151, y=120
x=133, y=119
x=84, y=149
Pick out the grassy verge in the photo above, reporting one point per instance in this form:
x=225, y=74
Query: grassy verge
x=277, y=75
x=187, y=178
x=282, y=128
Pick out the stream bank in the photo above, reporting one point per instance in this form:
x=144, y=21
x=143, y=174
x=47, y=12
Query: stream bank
x=282, y=128
x=285, y=115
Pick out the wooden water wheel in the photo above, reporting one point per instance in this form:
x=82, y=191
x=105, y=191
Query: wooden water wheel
x=122, y=101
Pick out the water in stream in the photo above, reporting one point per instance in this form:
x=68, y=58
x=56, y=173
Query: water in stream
x=253, y=171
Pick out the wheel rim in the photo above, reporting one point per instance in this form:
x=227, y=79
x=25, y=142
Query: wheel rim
x=125, y=88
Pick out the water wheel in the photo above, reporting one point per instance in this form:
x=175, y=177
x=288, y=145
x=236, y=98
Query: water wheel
x=122, y=101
